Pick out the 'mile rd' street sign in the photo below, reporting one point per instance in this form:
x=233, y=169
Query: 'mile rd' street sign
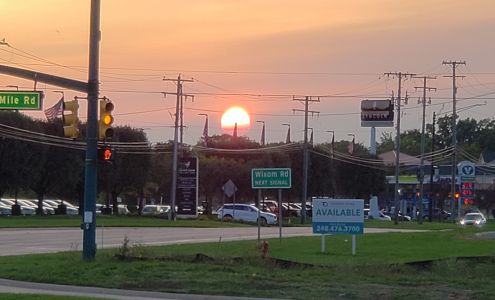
x=20, y=100
x=271, y=178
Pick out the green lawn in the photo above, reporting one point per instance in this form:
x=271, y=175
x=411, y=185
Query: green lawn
x=455, y=264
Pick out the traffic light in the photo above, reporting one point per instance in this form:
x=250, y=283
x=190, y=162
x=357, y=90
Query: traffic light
x=106, y=154
x=106, y=120
x=71, y=128
x=457, y=195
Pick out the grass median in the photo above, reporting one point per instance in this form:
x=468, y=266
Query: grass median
x=439, y=264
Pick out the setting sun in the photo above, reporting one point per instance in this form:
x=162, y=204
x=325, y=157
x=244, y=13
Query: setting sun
x=235, y=115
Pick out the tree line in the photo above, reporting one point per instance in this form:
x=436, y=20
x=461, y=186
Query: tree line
x=44, y=169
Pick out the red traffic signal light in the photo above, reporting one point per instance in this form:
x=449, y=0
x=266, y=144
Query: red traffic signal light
x=106, y=154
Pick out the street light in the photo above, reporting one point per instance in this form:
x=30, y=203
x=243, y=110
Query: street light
x=287, y=139
x=332, y=146
x=262, y=140
x=311, y=136
x=205, y=130
x=350, y=148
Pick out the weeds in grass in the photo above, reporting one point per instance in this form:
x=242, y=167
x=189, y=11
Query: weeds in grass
x=128, y=251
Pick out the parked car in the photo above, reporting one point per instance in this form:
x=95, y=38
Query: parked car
x=245, y=212
x=5, y=210
x=123, y=210
x=271, y=205
x=155, y=210
x=437, y=214
x=291, y=210
x=477, y=219
x=47, y=210
x=71, y=209
x=25, y=210
x=381, y=216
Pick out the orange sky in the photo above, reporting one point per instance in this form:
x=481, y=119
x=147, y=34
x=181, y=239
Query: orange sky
x=260, y=47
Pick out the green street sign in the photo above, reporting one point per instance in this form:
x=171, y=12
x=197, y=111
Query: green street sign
x=21, y=100
x=271, y=178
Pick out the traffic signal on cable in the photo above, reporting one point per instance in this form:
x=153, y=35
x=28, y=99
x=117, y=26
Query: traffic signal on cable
x=106, y=154
x=70, y=119
x=106, y=120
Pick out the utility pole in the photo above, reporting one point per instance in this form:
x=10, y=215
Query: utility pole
x=421, y=167
x=399, y=75
x=92, y=89
x=89, y=219
x=454, y=65
x=306, y=111
x=173, y=190
x=430, y=203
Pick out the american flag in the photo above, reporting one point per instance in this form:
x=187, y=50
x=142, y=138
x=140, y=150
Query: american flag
x=56, y=110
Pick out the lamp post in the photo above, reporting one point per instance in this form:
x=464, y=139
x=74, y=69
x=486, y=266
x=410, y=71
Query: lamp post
x=205, y=130
x=262, y=139
x=333, y=141
x=287, y=139
x=311, y=136
x=351, y=145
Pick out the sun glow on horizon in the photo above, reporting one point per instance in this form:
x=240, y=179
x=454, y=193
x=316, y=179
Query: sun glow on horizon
x=233, y=115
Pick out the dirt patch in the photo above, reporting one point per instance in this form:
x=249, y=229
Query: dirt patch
x=428, y=264
x=486, y=235
x=202, y=258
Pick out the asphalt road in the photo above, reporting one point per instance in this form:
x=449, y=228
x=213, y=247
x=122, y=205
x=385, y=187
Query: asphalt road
x=47, y=240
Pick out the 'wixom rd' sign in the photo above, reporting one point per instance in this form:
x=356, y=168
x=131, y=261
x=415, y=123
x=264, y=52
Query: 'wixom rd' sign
x=271, y=178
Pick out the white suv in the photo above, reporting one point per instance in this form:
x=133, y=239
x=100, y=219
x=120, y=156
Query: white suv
x=245, y=212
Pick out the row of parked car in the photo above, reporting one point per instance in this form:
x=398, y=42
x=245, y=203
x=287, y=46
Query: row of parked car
x=29, y=206
x=268, y=215
x=289, y=209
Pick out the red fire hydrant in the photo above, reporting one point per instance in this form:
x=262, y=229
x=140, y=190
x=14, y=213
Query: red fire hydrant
x=264, y=249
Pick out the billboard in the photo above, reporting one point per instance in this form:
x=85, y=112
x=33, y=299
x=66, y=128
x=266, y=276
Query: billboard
x=338, y=216
x=377, y=113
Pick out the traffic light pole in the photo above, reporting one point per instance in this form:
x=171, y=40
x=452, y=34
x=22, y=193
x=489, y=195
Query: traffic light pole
x=89, y=218
x=92, y=89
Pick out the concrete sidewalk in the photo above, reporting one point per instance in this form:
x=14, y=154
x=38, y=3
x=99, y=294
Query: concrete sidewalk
x=21, y=287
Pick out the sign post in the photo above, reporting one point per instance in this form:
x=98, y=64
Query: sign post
x=187, y=187
x=21, y=100
x=271, y=178
x=338, y=216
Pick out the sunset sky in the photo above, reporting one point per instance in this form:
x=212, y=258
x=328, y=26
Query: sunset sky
x=259, y=53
